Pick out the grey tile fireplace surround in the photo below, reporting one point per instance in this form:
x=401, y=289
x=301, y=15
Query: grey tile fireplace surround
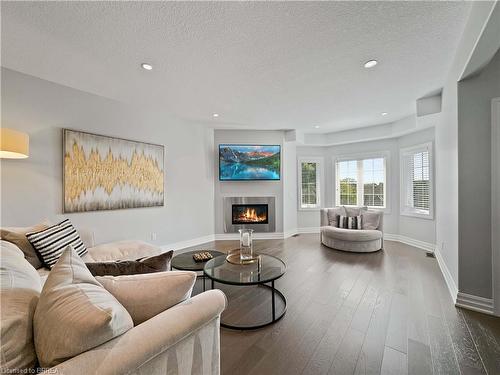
x=265, y=206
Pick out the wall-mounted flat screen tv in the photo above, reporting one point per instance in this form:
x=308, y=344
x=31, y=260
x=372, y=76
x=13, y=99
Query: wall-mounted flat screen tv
x=249, y=162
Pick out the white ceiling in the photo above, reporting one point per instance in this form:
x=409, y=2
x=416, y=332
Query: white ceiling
x=276, y=65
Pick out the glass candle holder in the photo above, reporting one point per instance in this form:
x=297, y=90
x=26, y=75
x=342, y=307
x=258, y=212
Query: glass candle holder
x=246, y=244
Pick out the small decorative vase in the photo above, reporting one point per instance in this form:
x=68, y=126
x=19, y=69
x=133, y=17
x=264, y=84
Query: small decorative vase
x=246, y=245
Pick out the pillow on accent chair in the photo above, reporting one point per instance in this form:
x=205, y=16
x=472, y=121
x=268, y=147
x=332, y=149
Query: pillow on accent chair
x=51, y=242
x=17, y=236
x=145, y=296
x=333, y=214
x=370, y=220
x=74, y=312
x=355, y=211
x=349, y=222
x=155, y=263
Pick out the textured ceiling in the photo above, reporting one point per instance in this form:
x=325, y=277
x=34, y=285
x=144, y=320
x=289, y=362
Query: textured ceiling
x=276, y=65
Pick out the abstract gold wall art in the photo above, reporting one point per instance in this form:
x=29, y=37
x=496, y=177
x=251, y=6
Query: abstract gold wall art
x=106, y=173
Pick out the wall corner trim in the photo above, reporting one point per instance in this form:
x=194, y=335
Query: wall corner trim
x=450, y=283
x=475, y=303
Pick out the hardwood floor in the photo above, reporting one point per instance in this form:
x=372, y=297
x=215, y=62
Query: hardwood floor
x=382, y=313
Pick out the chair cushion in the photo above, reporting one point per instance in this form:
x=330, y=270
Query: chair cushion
x=17, y=236
x=147, y=295
x=155, y=263
x=20, y=288
x=74, y=312
x=354, y=235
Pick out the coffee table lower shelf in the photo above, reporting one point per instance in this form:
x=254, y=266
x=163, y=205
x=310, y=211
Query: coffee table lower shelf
x=277, y=312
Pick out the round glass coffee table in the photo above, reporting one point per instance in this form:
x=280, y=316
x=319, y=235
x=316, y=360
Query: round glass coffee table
x=248, y=304
x=185, y=262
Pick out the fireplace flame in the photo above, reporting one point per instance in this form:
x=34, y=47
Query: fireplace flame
x=250, y=215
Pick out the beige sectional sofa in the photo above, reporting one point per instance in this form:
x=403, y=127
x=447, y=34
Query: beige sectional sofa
x=183, y=339
x=353, y=240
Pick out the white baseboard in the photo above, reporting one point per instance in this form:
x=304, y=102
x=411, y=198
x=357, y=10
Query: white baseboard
x=472, y=302
x=427, y=246
x=290, y=233
x=308, y=230
x=450, y=283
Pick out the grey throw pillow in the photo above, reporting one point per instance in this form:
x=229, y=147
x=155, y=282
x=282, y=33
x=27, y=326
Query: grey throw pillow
x=333, y=214
x=355, y=211
x=156, y=263
x=370, y=220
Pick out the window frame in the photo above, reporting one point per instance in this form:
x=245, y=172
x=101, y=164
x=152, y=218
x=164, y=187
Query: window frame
x=359, y=157
x=319, y=161
x=406, y=210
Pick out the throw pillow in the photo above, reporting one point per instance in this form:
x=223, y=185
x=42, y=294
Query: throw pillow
x=74, y=312
x=349, y=222
x=51, y=242
x=145, y=296
x=20, y=288
x=355, y=211
x=333, y=214
x=17, y=236
x=156, y=263
x=370, y=220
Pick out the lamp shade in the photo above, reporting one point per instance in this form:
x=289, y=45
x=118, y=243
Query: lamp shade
x=13, y=144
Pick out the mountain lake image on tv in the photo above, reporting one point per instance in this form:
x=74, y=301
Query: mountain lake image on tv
x=249, y=162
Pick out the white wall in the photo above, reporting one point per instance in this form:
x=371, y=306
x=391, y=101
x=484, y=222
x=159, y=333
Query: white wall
x=446, y=155
x=32, y=188
x=474, y=161
x=290, y=200
x=247, y=188
x=394, y=223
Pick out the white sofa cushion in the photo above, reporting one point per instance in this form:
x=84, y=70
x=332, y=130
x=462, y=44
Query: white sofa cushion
x=147, y=295
x=74, y=312
x=20, y=288
x=121, y=250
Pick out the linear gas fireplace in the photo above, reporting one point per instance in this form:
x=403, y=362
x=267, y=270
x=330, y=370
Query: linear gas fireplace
x=249, y=212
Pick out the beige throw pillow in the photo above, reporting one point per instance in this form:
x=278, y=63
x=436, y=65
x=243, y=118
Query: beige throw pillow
x=355, y=211
x=147, y=295
x=74, y=312
x=370, y=220
x=20, y=288
x=17, y=236
x=334, y=214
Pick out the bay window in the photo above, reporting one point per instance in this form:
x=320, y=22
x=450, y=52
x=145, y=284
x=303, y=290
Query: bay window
x=361, y=181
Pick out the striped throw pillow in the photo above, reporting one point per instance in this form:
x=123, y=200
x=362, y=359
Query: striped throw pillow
x=50, y=243
x=349, y=222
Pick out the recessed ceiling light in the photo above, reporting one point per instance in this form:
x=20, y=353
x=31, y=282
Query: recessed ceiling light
x=370, y=64
x=316, y=126
x=147, y=66
x=215, y=115
x=384, y=113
